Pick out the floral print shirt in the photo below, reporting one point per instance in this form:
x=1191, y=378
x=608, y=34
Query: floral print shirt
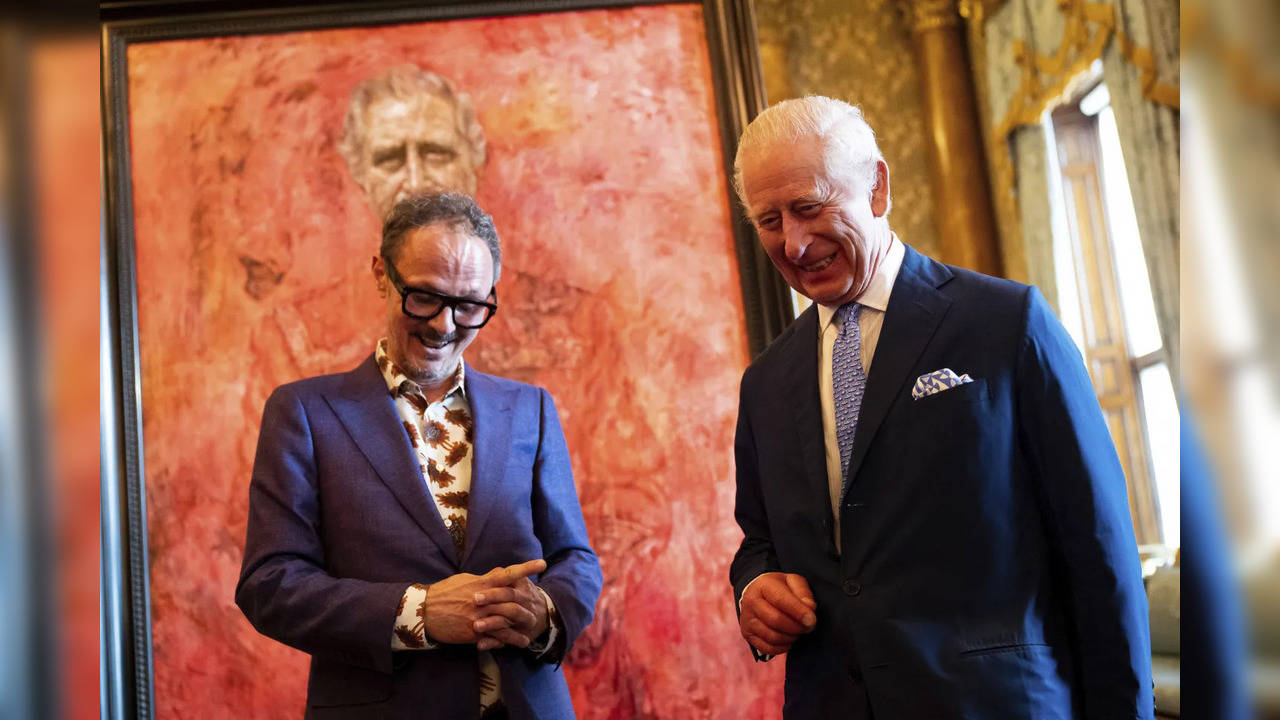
x=442, y=434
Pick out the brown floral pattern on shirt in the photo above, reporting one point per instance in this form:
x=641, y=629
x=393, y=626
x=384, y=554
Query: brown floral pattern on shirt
x=413, y=636
x=441, y=434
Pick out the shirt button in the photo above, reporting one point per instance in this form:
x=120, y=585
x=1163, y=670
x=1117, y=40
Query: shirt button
x=851, y=588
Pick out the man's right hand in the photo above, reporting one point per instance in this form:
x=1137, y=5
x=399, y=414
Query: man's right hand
x=451, y=603
x=776, y=609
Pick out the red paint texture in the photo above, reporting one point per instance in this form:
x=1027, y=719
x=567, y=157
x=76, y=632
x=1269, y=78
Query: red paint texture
x=619, y=294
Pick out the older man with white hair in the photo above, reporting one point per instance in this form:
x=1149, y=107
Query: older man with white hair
x=935, y=520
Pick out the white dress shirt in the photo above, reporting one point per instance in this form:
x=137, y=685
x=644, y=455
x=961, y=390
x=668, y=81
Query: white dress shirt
x=874, y=301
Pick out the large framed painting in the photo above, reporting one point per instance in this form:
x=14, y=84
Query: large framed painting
x=250, y=152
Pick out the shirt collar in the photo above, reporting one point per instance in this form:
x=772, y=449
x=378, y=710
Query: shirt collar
x=398, y=383
x=876, y=296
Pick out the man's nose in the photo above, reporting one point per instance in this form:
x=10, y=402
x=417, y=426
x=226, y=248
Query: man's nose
x=413, y=171
x=422, y=176
x=442, y=323
x=795, y=238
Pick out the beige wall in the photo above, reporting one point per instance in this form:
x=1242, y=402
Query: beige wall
x=859, y=51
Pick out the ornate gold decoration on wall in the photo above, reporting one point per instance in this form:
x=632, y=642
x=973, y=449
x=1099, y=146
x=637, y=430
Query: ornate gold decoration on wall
x=1143, y=59
x=926, y=15
x=1088, y=28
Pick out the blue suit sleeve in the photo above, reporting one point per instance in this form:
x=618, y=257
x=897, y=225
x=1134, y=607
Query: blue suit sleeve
x=755, y=555
x=1085, y=503
x=284, y=589
x=573, y=578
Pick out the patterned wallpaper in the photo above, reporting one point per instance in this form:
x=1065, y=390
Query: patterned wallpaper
x=859, y=51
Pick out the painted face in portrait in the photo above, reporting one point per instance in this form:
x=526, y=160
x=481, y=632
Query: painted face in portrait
x=820, y=225
x=444, y=259
x=413, y=146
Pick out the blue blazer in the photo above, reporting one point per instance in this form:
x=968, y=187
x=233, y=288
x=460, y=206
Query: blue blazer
x=341, y=522
x=989, y=568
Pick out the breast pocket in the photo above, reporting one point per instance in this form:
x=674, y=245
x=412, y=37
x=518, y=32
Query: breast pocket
x=975, y=391
x=948, y=431
x=961, y=409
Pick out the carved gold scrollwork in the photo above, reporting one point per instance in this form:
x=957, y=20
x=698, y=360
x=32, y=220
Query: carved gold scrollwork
x=1088, y=27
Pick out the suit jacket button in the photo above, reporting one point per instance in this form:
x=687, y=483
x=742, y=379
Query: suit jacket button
x=851, y=588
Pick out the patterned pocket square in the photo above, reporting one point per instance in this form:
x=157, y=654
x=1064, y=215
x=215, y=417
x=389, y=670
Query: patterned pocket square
x=937, y=381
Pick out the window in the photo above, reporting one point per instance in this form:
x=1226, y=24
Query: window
x=1105, y=302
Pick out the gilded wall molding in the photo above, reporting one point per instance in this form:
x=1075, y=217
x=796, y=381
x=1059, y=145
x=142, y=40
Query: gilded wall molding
x=926, y=15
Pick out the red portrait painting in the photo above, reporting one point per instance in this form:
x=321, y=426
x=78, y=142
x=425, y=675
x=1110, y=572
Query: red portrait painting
x=603, y=169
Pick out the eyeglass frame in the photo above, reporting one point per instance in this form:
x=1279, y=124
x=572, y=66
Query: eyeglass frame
x=446, y=301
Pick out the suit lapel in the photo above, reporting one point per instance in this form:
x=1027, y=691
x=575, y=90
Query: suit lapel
x=801, y=390
x=491, y=413
x=366, y=410
x=916, y=307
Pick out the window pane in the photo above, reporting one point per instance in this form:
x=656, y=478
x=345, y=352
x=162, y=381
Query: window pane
x=1131, y=268
x=1064, y=270
x=1160, y=411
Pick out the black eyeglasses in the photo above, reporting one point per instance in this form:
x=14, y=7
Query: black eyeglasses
x=426, y=304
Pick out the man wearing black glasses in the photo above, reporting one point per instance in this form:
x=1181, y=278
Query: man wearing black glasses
x=413, y=523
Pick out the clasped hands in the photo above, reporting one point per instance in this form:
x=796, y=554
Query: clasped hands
x=776, y=609
x=501, y=607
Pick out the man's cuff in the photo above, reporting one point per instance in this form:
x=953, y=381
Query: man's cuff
x=759, y=656
x=547, y=640
x=744, y=591
x=410, y=631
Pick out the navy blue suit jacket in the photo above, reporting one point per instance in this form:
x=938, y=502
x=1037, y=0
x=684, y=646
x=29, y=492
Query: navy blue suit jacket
x=341, y=522
x=989, y=568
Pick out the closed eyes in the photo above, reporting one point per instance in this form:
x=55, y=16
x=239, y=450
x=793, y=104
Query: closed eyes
x=773, y=221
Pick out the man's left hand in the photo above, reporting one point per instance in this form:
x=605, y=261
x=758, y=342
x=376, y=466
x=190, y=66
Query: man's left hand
x=518, y=615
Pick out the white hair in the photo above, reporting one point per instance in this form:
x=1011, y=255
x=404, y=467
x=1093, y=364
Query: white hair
x=835, y=121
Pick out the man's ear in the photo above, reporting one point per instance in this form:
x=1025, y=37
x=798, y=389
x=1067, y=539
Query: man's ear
x=880, y=193
x=379, y=275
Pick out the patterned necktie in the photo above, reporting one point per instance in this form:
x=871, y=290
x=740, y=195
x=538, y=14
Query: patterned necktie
x=848, y=381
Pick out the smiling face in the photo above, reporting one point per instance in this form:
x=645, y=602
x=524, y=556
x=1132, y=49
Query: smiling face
x=821, y=227
x=446, y=259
